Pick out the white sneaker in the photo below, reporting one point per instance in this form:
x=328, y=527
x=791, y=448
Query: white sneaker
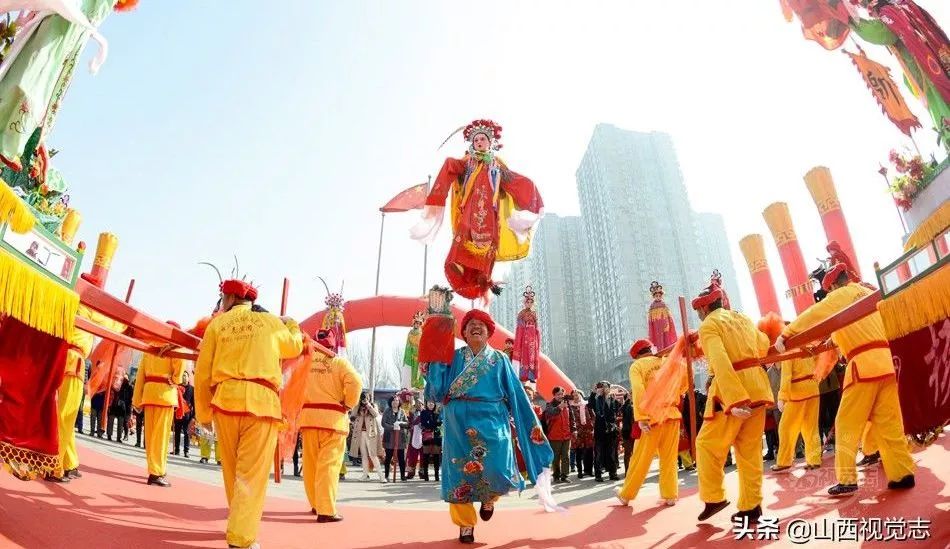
x=365, y=476
x=383, y=480
x=668, y=502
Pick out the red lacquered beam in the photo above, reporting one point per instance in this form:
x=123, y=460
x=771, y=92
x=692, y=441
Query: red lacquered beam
x=122, y=339
x=114, y=308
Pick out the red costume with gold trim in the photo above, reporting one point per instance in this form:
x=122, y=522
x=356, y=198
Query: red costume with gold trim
x=493, y=212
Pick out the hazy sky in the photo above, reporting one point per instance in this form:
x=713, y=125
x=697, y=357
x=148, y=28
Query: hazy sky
x=276, y=135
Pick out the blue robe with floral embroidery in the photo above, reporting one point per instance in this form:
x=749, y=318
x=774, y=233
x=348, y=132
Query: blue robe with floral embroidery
x=478, y=458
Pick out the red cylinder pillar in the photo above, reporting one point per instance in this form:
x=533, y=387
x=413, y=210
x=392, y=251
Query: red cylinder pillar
x=779, y=221
x=822, y=189
x=753, y=249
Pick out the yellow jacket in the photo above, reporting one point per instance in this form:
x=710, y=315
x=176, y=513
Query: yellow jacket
x=641, y=376
x=728, y=337
x=798, y=381
x=873, y=359
x=240, y=346
x=333, y=388
x=80, y=342
x=156, y=383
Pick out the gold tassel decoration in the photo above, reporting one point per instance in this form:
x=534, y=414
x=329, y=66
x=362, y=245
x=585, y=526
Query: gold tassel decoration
x=35, y=299
x=14, y=211
x=928, y=230
x=921, y=304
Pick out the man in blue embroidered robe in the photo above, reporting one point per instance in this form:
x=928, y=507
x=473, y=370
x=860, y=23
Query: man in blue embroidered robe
x=480, y=390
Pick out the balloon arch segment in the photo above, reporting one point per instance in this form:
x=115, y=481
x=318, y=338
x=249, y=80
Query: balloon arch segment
x=374, y=312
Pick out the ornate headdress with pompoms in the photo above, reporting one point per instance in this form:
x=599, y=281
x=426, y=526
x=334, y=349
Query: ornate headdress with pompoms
x=419, y=317
x=484, y=126
x=656, y=290
x=528, y=294
x=333, y=300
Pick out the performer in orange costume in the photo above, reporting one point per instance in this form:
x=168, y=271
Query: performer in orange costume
x=660, y=434
x=739, y=394
x=237, y=377
x=870, y=384
x=493, y=212
x=157, y=395
x=333, y=387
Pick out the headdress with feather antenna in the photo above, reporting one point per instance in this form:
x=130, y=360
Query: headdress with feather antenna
x=333, y=300
x=484, y=126
x=237, y=285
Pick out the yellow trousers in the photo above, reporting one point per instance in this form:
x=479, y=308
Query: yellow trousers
x=875, y=402
x=205, y=446
x=687, y=458
x=712, y=446
x=662, y=440
x=322, y=452
x=463, y=514
x=246, y=451
x=70, y=395
x=868, y=443
x=799, y=418
x=158, y=426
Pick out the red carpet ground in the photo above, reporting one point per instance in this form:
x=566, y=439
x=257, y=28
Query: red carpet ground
x=111, y=507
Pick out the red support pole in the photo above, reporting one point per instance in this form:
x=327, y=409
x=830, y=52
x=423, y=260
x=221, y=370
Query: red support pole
x=111, y=381
x=753, y=249
x=278, y=461
x=779, y=221
x=822, y=189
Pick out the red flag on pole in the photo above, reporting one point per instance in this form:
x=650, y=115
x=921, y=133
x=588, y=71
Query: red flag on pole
x=413, y=198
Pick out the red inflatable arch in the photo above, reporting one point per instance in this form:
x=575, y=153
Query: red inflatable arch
x=378, y=311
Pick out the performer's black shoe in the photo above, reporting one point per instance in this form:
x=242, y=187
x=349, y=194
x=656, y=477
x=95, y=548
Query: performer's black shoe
x=753, y=515
x=870, y=459
x=313, y=511
x=902, y=484
x=329, y=518
x=158, y=481
x=203, y=460
x=73, y=473
x=842, y=489
x=598, y=479
x=711, y=509
x=614, y=477
x=486, y=512
x=53, y=478
x=467, y=535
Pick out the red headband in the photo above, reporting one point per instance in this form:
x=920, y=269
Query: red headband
x=640, y=345
x=239, y=289
x=328, y=340
x=476, y=314
x=707, y=299
x=832, y=275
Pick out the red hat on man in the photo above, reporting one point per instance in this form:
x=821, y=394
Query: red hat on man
x=326, y=338
x=477, y=314
x=239, y=289
x=639, y=346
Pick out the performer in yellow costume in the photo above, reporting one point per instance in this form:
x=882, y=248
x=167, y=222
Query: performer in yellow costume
x=660, y=435
x=870, y=385
x=237, y=378
x=156, y=394
x=739, y=394
x=798, y=401
x=333, y=388
x=70, y=393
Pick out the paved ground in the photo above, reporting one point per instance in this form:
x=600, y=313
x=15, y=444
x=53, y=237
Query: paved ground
x=414, y=494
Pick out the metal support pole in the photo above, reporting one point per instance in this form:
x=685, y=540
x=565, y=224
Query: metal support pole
x=372, y=349
x=115, y=350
